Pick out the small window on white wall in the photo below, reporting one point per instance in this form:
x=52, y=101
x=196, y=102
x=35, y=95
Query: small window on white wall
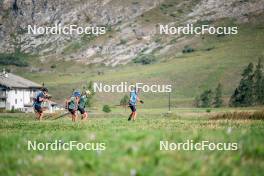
x=15, y=91
x=15, y=101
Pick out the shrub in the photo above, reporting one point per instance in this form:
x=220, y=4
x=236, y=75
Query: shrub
x=187, y=49
x=173, y=15
x=135, y=3
x=53, y=66
x=206, y=98
x=145, y=59
x=208, y=110
x=106, y=108
x=12, y=59
x=122, y=42
x=157, y=40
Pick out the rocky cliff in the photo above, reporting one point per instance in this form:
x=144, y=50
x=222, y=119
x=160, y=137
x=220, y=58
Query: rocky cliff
x=131, y=25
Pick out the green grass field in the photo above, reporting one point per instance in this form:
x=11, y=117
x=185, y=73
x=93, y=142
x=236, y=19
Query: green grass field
x=132, y=148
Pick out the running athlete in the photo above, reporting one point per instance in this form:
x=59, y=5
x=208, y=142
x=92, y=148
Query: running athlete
x=132, y=104
x=72, y=104
x=82, y=103
x=41, y=97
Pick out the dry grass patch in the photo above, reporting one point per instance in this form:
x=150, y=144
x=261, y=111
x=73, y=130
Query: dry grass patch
x=257, y=115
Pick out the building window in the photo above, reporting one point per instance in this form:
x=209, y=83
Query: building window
x=15, y=91
x=15, y=101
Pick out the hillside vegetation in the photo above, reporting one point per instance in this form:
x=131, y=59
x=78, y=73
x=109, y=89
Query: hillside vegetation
x=132, y=50
x=215, y=59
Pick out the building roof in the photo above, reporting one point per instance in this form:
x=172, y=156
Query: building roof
x=13, y=81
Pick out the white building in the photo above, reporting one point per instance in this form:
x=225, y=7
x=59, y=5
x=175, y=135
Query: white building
x=18, y=93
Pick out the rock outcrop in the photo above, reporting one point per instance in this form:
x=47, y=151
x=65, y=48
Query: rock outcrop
x=131, y=25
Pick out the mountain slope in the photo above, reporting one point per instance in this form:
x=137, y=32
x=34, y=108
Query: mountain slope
x=215, y=60
x=64, y=63
x=131, y=26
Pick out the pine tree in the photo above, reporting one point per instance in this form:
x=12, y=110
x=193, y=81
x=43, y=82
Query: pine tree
x=218, y=101
x=244, y=94
x=234, y=100
x=258, y=83
x=206, y=98
x=262, y=92
x=247, y=87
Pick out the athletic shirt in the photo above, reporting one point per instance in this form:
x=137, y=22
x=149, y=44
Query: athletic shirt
x=37, y=100
x=83, y=100
x=133, y=98
x=72, y=103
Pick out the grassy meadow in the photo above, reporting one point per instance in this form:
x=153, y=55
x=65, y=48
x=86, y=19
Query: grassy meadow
x=132, y=148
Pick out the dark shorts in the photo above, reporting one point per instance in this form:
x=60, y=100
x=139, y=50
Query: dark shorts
x=72, y=111
x=38, y=108
x=82, y=110
x=132, y=107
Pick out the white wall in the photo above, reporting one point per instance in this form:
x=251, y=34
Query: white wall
x=17, y=98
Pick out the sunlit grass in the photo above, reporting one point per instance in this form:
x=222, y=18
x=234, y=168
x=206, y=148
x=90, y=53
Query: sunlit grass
x=131, y=145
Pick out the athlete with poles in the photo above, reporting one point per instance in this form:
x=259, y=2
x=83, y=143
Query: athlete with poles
x=132, y=103
x=41, y=97
x=81, y=104
x=72, y=104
